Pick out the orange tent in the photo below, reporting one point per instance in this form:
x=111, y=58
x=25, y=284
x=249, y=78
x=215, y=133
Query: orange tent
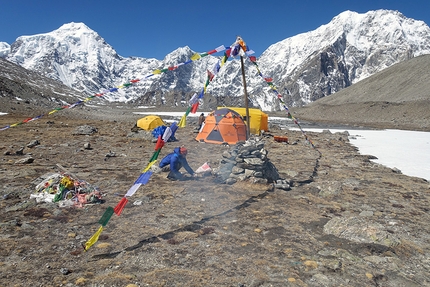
x=223, y=126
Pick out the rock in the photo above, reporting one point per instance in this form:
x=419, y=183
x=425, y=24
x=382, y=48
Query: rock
x=110, y=154
x=85, y=130
x=231, y=180
x=361, y=230
x=65, y=271
x=26, y=160
x=366, y=213
x=33, y=143
x=20, y=151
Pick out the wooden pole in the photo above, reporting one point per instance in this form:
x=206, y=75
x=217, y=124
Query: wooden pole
x=246, y=98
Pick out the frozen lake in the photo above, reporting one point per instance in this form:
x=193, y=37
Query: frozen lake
x=408, y=151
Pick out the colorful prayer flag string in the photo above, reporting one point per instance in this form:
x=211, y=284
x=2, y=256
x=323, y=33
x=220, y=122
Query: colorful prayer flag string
x=115, y=89
x=279, y=97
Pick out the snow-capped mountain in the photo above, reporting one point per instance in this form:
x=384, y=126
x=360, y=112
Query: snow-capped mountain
x=304, y=68
x=350, y=48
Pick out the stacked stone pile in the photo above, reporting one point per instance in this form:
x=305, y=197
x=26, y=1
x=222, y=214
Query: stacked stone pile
x=248, y=161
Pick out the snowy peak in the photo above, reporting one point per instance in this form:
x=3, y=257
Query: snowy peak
x=349, y=48
x=4, y=49
x=304, y=68
x=73, y=54
x=381, y=27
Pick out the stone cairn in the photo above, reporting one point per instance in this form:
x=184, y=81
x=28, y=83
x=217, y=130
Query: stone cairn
x=248, y=161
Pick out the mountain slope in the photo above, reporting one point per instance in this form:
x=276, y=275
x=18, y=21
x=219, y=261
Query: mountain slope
x=22, y=89
x=350, y=48
x=397, y=97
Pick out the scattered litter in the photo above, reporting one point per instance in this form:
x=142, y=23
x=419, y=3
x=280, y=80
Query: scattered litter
x=66, y=190
x=204, y=168
x=281, y=139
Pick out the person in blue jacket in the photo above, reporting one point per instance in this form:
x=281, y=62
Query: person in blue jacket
x=177, y=159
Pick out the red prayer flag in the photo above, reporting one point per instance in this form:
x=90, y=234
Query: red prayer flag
x=210, y=75
x=159, y=144
x=120, y=206
x=27, y=120
x=194, y=108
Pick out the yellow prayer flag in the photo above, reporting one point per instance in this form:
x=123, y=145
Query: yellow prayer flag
x=196, y=56
x=157, y=72
x=93, y=239
x=182, y=122
x=149, y=166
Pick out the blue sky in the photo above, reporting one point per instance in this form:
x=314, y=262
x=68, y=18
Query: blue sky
x=152, y=29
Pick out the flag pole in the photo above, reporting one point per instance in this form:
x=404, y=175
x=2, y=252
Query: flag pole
x=246, y=98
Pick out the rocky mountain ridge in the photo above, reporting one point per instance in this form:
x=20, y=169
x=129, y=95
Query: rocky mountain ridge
x=305, y=67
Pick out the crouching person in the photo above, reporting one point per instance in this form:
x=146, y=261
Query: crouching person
x=176, y=160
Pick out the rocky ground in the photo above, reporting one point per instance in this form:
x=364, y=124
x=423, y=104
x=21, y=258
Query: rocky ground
x=345, y=221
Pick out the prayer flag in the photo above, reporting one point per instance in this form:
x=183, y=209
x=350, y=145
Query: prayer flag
x=120, y=206
x=194, y=108
x=167, y=134
x=193, y=99
x=144, y=178
x=155, y=155
x=27, y=120
x=149, y=166
x=160, y=143
x=93, y=239
x=202, y=93
x=196, y=56
x=187, y=112
x=210, y=75
x=235, y=51
x=133, y=189
x=173, y=127
x=220, y=48
x=106, y=216
x=183, y=121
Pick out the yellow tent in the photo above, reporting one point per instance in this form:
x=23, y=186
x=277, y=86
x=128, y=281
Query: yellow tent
x=150, y=122
x=258, y=120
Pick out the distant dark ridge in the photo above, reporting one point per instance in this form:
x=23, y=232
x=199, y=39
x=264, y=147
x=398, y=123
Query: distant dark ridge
x=22, y=89
x=397, y=97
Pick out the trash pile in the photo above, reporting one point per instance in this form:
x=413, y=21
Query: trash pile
x=66, y=190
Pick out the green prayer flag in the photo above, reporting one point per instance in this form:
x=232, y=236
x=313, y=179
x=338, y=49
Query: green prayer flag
x=106, y=216
x=155, y=155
